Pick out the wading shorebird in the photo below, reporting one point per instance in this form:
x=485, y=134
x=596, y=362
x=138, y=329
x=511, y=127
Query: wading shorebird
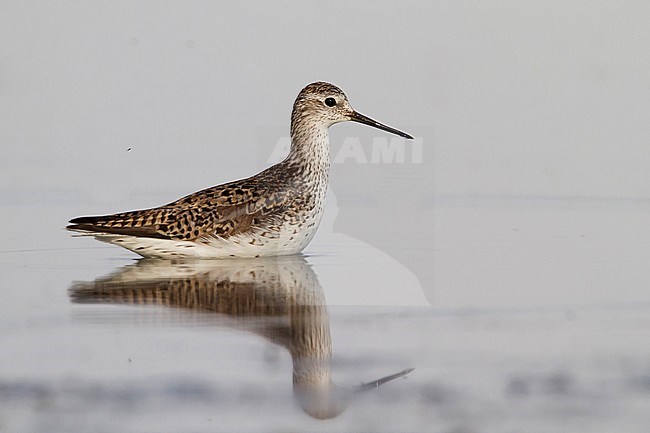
x=275, y=212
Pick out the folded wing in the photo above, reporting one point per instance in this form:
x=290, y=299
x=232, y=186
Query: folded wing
x=220, y=211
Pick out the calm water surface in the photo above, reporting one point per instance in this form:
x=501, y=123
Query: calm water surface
x=538, y=319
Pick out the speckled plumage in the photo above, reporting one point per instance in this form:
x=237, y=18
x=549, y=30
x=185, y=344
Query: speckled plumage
x=275, y=212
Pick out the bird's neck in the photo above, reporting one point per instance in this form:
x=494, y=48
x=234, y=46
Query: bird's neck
x=310, y=146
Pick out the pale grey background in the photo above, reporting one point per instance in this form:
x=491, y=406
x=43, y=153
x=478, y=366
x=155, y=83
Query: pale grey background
x=531, y=202
x=511, y=98
x=526, y=97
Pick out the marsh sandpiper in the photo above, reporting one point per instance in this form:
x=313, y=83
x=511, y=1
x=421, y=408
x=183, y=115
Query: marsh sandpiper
x=275, y=212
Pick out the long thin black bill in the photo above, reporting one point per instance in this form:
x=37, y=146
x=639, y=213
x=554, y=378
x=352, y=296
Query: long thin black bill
x=358, y=117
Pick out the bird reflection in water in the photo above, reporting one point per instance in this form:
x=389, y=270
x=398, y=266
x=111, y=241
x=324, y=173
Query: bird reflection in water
x=278, y=298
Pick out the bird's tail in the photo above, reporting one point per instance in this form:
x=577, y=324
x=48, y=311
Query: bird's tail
x=136, y=223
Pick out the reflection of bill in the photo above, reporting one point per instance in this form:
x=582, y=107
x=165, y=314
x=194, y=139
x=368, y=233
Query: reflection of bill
x=356, y=273
x=278, y=298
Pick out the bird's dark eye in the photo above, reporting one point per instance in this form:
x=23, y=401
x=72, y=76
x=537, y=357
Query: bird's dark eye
x=330, y=102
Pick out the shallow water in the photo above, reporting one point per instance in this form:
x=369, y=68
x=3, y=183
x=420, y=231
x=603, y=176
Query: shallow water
x=539, y=319
x=522, y=312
